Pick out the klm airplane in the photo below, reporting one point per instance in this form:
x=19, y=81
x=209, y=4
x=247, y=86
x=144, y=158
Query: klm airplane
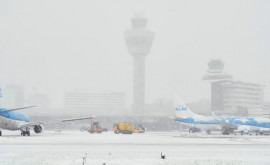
x=11, y=119
x=227, y=125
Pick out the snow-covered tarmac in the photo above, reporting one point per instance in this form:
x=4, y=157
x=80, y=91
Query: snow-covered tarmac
x=69, y=147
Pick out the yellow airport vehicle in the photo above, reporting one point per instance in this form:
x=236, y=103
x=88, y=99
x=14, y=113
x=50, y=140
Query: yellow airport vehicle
x=127, y=128
x=138, y=129
x=122, y=127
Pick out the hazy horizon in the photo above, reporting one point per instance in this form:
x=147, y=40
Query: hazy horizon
x=60, y=46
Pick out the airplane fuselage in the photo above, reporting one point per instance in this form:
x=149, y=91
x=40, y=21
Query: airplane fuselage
x=210, y=122
x=204, y=123
x=248, y=121
x=12, y=120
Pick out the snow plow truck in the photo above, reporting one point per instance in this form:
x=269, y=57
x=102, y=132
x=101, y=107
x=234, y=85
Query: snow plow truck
x=127, y=128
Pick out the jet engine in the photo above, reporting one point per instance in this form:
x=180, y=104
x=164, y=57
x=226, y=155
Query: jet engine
x=38, y=128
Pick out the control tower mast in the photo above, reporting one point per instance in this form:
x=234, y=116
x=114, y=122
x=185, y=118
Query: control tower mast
x=139, y=41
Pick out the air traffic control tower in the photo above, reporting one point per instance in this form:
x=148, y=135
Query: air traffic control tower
x=217, y=78
x=139, y=41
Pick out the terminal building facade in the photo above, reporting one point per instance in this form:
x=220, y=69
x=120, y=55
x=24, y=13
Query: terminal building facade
x=95, y=103
x=230, y=97
x=235, y=97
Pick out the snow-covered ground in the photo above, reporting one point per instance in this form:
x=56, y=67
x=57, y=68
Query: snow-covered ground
x=69, y=147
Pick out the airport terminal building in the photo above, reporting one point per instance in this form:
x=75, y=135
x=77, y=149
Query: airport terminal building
x=231, y=97
x=235, y=97
x=95, y=103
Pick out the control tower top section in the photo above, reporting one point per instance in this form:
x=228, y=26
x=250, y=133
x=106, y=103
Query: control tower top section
x=139, y=39
x=215, y=65
x=215, y=71
x=139, y=22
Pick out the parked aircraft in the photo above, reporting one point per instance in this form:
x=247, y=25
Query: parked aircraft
x=11, y=119
x=227, y=125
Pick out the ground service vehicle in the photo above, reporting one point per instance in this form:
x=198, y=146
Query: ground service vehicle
x=127, y=128
x=138, y=129
x=95, y=127
x=122, y=127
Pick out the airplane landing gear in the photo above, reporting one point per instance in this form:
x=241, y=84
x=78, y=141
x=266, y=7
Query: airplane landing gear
x=226, y=131
x=193, y=130
x=24, y=133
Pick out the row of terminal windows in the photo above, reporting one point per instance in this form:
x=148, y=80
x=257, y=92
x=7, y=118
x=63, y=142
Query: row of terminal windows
x=241, y=98
x=243, y=92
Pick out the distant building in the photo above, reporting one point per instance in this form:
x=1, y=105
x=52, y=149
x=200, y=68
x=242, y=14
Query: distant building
x=266, y=105
x=230, y=97
x=238, y=97
x=94, y=103
x=259, y=111
x=12, y=96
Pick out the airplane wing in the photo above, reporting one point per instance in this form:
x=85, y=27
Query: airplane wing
x=15, y=109
x=31, y=124
x=82, y=118
x=223, y=123
x=175, y=118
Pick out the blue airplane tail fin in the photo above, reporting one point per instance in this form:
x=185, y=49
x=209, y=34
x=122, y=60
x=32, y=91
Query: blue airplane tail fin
x=181, y=110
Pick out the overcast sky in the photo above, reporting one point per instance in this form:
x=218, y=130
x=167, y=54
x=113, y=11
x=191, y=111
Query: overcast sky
x=57, y=46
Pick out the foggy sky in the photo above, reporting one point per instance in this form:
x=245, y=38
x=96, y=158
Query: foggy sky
x=57, y=46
